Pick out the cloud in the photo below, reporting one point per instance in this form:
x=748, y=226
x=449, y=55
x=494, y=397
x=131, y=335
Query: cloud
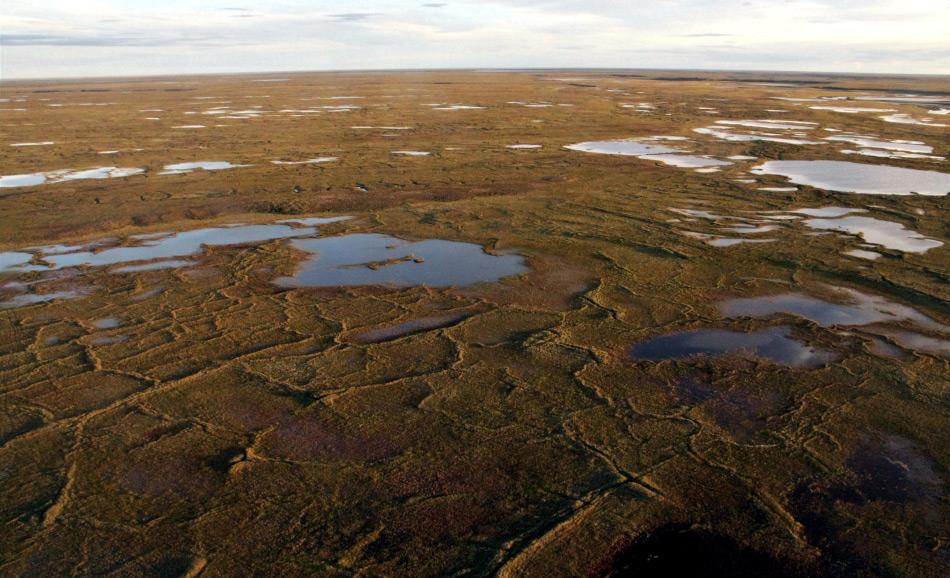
x=99, y=40
x=63, y=40
x=352, y=16
x=85, y=37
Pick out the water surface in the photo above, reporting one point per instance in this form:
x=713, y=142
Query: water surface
x=857, y=309
x=411, y=327
x=774, y=344
x=852, y=109
x=374, y=259
x=314, y=221
x=686, y=161
x=887, y=154
x=860, y=178
x=316, y=161
x=863, y=254
x=908, y=119
x=154, y=246
x=727, y=134
x=34, y=179
x=878, y=232
x=827, y=211
x=875, y=143
x=458, y=107
x=179, y=245
x=183, y=168
x=648, y=149
x=35, y=298
x=10, y=259
x=773, y=124
x=155, y=266
x=630, y=147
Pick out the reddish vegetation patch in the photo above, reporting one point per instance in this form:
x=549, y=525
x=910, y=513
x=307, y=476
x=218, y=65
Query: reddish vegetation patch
x=178, y=475
x=252, y=416
x=890, y=468
x=740, y=412
x=442, y=518
x=313, y=438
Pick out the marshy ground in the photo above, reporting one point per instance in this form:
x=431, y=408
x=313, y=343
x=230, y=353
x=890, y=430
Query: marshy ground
x=390, y=324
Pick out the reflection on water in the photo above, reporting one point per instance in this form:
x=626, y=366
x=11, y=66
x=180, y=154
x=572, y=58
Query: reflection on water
x=410, y=327
x=315, y=221
x=10, y=259
x=860, y=309
x=773, y=124
x=373, y=259
x=715, y=241
x=457, y=107
x=349, y=260
x=632, y=148
x=852, y=109
x=34, y=298
x=874, y=315
x=778, y=131
x=862, y=254
x=875, y=143
x=687, y=161
x=179, y=245
x=827, y=211
x=916, y=341
x=155, y=266
x=648, y=149
x=859, y=177
x=183, y=168
x=151, y=247
x=884, y=233
x=316, y=161
x=774, y=344
x=902, y=118
x=60, y=176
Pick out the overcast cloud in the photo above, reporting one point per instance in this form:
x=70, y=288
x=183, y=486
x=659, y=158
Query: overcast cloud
x=137, y=37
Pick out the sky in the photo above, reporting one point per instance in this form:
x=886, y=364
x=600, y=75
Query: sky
x=84, y=38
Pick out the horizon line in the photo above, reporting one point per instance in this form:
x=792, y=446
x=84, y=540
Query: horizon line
x=593, y=69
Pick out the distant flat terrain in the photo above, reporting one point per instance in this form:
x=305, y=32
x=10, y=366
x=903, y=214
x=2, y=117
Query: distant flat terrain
x=494, y=323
